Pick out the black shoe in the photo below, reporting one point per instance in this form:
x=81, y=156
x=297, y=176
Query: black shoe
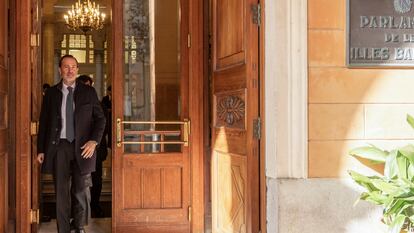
x=80, y=231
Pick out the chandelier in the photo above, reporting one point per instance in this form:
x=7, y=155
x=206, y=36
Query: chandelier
x=85, y=16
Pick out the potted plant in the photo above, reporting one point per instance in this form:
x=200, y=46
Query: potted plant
x=394, y=190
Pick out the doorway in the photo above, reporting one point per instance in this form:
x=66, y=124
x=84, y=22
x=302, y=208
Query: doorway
x=91, y=49
x=171, y=152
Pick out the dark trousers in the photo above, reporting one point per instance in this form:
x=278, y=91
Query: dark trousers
x=96, y=188
x=72, y=189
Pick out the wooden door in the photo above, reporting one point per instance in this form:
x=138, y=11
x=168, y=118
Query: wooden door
x=21, y=101
x=151, y=160
x=36, y=100
x=235, y=155
x=3, y=117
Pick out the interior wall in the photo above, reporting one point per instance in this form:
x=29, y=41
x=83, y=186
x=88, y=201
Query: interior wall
x=167, y=62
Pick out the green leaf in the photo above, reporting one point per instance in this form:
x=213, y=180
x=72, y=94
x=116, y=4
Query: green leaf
x=364, y=181
x=391, y=166
x=389, y=188
x=375, y=197
x=410, y=120
x=405, y=183
x=402, y=163
x=397, y=224
x=398, y=206
x=408, y=152
x=370, y=152
x=410, y=172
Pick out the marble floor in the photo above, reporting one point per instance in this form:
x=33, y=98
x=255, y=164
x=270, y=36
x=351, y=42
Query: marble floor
x=96, y=225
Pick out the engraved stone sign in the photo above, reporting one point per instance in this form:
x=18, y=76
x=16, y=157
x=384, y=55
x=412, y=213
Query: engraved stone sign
x=380, y=33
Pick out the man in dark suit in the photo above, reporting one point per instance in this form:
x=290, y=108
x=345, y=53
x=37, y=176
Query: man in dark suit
x=70, y=127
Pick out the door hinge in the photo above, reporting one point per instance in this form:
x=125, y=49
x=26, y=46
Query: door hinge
x=34, y=127
x=34, y=216
x=257, y=15
x=257, y=128
x=189, y=40
x=34, y=39
x=189, y=213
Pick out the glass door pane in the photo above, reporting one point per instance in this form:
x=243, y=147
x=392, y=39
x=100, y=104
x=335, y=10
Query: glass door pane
x=152, y=78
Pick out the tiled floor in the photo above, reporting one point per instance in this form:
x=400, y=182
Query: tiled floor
x=96, y=225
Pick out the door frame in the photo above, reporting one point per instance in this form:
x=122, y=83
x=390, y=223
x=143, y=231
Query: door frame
x=262, y=142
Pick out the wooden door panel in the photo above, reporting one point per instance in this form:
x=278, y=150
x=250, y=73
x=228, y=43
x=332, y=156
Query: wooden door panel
x=230, y=141
x=230, y=33
x=230, y=209
x=141, y=218
x=230, y=79
x=235, y=164
x=155, y=187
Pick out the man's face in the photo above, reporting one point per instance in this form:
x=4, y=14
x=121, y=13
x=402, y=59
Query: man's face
x=68, y=70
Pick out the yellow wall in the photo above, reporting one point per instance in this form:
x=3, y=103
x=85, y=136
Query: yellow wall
x=349, y=107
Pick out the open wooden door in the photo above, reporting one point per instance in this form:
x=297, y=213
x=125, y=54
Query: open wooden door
x=151, y=160
x=235, y=155
x=36, y=100
x=21, y=63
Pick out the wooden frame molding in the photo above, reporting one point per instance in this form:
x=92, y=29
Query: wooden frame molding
x=262, y=169
x=196, y=77
x=286, y=89
x=22, y=140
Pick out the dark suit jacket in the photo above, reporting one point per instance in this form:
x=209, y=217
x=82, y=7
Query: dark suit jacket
x=89, y=124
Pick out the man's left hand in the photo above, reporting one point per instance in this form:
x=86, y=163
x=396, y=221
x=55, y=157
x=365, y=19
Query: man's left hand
x=88, y=149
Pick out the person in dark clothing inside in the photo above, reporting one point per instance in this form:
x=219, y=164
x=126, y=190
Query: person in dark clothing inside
x=101, y=152
x=71, y=125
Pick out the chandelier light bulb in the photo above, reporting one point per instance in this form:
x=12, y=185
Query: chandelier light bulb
x=85, y=16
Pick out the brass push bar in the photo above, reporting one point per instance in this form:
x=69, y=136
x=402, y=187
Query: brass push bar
x=186, y=131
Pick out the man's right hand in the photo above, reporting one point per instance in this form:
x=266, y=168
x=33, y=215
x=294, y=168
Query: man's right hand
x=40, y=157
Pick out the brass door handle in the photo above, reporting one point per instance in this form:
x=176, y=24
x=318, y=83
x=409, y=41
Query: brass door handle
x=186, y=132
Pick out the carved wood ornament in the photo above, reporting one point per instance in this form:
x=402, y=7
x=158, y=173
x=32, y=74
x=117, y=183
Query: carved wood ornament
x=231, y=109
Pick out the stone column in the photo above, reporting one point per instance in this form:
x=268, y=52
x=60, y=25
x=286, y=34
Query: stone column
x=98, y=40
x=48, y=53
x=99, y=72
x=57, y=42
